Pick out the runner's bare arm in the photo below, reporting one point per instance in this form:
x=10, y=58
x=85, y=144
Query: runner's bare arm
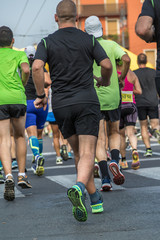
x=106, y=72
x=125, y=67
x=47, y=79
x=38, y=78
x=132, y=78
x=144, y=28
x=47, y=83
x=25, y=72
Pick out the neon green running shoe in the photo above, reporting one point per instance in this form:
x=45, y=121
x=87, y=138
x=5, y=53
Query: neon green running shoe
x=78, y=201
x=148, y=153
x=98, y=206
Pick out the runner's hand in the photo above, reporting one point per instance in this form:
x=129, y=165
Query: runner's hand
x=99, y=81
x=39, y=103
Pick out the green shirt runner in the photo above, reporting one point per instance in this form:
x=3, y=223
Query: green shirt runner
x=109, y=97
x=11, y=87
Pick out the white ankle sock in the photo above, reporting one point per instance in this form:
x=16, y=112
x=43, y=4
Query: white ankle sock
x=9, y=174
x=21, y=174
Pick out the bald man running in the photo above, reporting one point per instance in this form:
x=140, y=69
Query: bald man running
x=70, y=54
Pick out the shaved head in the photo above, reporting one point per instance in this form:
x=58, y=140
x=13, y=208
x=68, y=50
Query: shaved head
x=66, y=10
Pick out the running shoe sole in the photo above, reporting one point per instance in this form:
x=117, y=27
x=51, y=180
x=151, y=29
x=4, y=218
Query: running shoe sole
x=79, y=210
x=135, y=163
x=59, y=163
x=9, y=193
x=1, y=180
x=148, y=155
x=64, y=153
x=14, y=167
x=39, y=171
x=39, y=167
x=24, y=185
x=106, y=187
x=118, y=177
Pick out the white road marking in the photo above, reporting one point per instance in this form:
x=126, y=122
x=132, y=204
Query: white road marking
x=44, y=154
x=153, y=172
x=69, y=180
x=152, y=145
x=72, y=165
x=145, y=159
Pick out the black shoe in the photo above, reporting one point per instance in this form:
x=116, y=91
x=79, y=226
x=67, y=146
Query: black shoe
x=1, y=178
x=9, y=193
x=64, y=153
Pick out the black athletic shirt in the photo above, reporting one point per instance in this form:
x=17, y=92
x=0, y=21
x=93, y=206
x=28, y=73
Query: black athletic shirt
x=70, y=53
x=154, y=12
x=149, y=96
x=30, y=90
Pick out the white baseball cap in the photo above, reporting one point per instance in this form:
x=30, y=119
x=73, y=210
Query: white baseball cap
x=30, y=51
x=94, y=26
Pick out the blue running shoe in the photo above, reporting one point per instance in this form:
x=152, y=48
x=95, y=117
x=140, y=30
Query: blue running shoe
x=1, y=167
x=78, y=201
x=106, y=185
x=98, y=206
x=70, y=155
x=37, y=166
x=14, y=164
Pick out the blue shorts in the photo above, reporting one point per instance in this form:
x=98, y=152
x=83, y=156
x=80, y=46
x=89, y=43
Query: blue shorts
x=34, y=116
x=50, y=117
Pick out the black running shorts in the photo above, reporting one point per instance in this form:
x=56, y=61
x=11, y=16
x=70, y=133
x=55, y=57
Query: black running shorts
x=112, y=115
x=12, y=111
x=79, y=119
x=151, y=112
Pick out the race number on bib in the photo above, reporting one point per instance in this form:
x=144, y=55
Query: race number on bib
x=127, y=96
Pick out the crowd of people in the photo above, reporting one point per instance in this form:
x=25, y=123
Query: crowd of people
x=90, y=99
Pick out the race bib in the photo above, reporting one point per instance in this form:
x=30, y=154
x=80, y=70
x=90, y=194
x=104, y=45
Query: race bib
x=127, y=96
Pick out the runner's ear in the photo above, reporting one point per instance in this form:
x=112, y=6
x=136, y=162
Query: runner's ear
x=77, y=18
x=56, y=17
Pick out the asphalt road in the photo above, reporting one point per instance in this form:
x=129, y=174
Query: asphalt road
x=44, y=212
